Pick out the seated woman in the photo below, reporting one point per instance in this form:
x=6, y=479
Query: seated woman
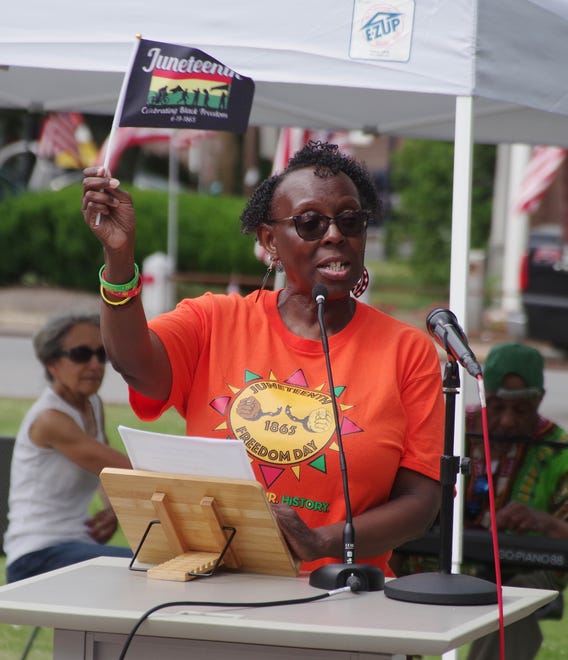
x=60, y=450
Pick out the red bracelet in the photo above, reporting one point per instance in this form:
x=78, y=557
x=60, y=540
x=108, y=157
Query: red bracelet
x=131, y=293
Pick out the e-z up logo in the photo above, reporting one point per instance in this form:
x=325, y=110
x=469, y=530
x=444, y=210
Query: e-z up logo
x=382, y=24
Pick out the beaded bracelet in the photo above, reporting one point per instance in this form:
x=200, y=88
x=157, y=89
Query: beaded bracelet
x=126, y=294
x=113, y=303
x=119, y=287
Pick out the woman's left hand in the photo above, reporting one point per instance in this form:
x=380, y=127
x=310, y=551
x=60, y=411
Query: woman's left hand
x=102, y=525
x=411, y=510
x=304, y=542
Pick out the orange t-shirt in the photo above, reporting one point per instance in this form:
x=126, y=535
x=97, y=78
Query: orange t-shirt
x=238, y=372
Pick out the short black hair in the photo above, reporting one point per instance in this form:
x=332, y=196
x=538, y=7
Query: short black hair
x=327, y=159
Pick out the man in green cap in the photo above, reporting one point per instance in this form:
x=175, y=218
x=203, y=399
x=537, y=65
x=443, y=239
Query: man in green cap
x=529, y=458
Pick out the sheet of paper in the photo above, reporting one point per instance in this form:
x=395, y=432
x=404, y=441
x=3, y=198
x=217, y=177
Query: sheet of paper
x=180, y=454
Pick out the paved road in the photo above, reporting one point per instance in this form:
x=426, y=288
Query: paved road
x=21, y=376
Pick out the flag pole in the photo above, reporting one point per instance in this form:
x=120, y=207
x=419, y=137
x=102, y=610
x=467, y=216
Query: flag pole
x=118, y=112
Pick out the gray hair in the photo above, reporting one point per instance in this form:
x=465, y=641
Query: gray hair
x=48, y=341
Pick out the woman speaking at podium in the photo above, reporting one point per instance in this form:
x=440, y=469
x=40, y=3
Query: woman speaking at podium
x=253, y=368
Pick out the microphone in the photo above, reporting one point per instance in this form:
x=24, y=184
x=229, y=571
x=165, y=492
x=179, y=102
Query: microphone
x=444, y=327
x=319, y=294
x=359, y=577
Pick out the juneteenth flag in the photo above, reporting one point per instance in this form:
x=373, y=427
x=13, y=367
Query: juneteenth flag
x=172, y=86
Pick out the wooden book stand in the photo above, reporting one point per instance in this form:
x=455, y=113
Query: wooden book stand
x=186, y=525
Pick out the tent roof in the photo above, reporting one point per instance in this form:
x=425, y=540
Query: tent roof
x=302, y=58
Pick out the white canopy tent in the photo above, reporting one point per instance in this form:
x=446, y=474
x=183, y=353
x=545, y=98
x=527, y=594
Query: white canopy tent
x=508, y=55
x=471, y=69
x=498, y=65
x=463, y=70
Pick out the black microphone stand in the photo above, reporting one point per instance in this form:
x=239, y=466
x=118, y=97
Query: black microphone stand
x=360, y=577
x=445, y=587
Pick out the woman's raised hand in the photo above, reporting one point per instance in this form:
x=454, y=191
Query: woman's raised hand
x=108, y=210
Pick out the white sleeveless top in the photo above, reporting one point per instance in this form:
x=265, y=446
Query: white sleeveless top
x=49, y=494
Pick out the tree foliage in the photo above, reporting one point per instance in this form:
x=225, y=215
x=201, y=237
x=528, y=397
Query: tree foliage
x=422, y=177
x=45, y=239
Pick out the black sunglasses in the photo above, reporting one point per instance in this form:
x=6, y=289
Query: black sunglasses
x=83, y=354
x=311, y=226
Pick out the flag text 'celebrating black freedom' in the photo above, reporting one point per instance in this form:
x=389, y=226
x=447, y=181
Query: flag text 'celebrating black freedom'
x=172, y=86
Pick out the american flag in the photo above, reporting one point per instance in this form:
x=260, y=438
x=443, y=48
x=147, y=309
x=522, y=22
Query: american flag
x=542, y=168
x=66, y=139
x=291, y=140
x=126, y=137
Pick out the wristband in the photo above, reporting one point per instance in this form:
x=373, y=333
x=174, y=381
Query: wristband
x=132, y=293
x=127, y=286
x=113, y=303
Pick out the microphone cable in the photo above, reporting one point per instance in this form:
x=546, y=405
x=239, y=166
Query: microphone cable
x=204, y=603
x=492, y=514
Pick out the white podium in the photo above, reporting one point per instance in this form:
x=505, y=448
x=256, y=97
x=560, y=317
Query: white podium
x=94, y=605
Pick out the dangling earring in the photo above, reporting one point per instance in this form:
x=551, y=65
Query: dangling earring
x=273, y=263
x=359, y=289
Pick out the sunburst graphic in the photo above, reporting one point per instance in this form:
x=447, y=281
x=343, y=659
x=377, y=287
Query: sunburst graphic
x=284, y=424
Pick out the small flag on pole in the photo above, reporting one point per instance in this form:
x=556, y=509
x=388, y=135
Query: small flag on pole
x=541, y=171
x=172, y=86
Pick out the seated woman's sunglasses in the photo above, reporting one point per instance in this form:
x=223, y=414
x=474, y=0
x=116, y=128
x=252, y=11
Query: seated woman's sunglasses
x=311, y=226
x=82, y=354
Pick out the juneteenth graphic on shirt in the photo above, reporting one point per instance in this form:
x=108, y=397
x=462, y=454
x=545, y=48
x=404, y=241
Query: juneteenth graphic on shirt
x=172, y=86
x=284, y=425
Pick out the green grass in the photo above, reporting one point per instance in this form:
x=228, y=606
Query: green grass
x=12, y=412
x=396, y=290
